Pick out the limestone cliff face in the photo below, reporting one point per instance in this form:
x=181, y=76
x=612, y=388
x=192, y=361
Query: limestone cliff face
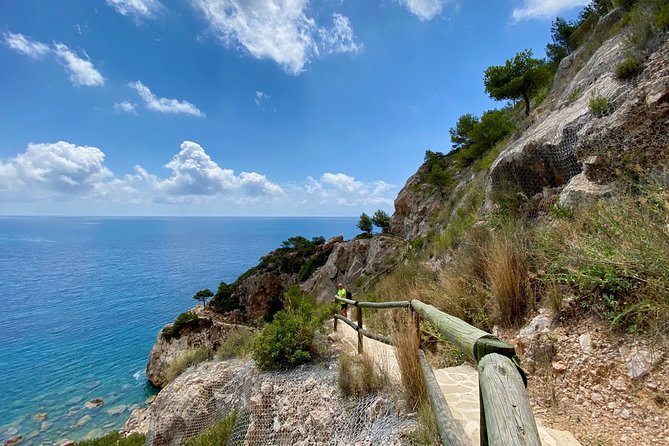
x=567, y=145
x=415, y=206
x=355, y=263
x=209, y=333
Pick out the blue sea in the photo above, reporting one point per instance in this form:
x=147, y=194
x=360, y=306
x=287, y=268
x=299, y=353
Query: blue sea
x=82, y=300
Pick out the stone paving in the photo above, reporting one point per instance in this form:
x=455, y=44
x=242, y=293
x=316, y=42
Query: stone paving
x=459, y=384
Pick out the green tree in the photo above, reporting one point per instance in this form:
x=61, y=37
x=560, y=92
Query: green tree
x=203, y=295
x=365, y=223
x=381, y=220
x=461, y=135
x=519, y=78
x=472, y=137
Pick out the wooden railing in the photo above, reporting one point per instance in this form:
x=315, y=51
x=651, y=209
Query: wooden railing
x=506, y=416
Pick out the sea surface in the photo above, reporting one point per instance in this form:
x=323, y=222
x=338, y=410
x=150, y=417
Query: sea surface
x=82, y=300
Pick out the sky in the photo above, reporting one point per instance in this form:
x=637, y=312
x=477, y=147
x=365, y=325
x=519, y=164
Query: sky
x=241, y=107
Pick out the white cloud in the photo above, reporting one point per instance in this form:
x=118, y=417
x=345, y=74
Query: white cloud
x=533, y=9
x=261, y=96
x=82, y=71
x=424, y=9
x=125, y=107
x=164, y=105
x=279, y=30
x=137, y=9
x=60, y=167
x=68, y=176
x=25, y=45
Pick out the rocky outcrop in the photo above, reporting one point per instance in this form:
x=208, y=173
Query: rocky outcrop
x=257, y=292
x=565, y=133
x=415, y=206
x=300, y=407
x=355, y=263
x=164, y=351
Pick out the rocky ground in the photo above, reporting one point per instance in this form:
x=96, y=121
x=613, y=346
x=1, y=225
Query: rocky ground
x=606, y=388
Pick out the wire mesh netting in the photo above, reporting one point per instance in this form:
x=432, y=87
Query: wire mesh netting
x=301, y=407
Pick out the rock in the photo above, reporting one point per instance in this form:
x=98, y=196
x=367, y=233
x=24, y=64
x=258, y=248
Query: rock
x=358, y=260
x=641, y=362
x=619, y=384
x=41, y=416
x=580, y=188
x=137, y=422
x=330, y=243
x=540, y=324
x=44, y=426
x=585, y=342
x=94, y=403
x=14, y=440
x=150, y=399
x=596, y=397
x=65, y=443
x=83, y=420
x=559, y=367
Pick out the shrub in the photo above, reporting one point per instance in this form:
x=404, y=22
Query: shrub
x=312, y=265
x=188, y=358
x=287, y=341
x=216, y=435
x=238, y=343
x=360, y=375
x=381, y=219
x=365, y=223
x=472, y=138
x=662, y=17
x=628, y=68
x=599, y=105
x=115, y=439
x=406, y=342
x=184, y=320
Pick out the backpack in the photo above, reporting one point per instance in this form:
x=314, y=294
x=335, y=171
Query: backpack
x=349, y=296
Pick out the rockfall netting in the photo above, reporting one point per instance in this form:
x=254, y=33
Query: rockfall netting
x=300, y=407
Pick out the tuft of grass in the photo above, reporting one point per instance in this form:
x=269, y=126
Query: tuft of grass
x=188, y=358
x=216, y=435
x=506, y=274
x=360, y=375
x=574, y=94
x=629, y=67
x=238, y=343
x=406, y=342
x=599, y=105
x=426, y=433
x=115, y=439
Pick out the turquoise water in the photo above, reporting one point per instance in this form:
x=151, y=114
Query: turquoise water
x=82, y=300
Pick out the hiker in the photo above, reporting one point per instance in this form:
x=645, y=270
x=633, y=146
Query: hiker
x=341, y=293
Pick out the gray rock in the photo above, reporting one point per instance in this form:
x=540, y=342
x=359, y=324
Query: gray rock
x=94, y=403
x=540, y=324
x=65, y=443
x=580, y=189
x=41, y=416
x=641, y=362
x=84, y=420
x=585, y=342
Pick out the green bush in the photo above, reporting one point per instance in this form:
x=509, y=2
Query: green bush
x=184, y=320
x=472, y=138
x=216, y=435
x=599, y=105
x=312, y=265
x=662, y=17
x=287, y=341
x=628, y=68
x=115, y=439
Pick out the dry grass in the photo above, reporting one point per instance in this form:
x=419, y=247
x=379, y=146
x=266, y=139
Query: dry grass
x=406, y=342
x=238, y=343
x=506, y=274
x=360, y=375
x=189, y=357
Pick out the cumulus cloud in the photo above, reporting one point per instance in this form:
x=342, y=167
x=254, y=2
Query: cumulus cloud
x=125, y=107
x=279, y=30
x=164, y=105
x=66, y=173
x=424, y=9
x=82, y=71
x=137, y=9
x=544, y=9
x=60, y=167
x=25, y=45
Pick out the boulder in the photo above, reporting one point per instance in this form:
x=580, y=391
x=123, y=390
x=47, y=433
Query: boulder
x=641, y=362
x=65, y=443
x=41, y=416
x=94, y=403
x=14, y=440
x=355, y=263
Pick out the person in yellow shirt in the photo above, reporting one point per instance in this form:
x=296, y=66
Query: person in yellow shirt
x=341, y=293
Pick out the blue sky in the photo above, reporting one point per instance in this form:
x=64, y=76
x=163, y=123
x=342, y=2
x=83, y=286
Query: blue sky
x=241, y=107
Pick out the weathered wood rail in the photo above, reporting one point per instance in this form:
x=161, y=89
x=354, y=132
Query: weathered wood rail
x=506, y=416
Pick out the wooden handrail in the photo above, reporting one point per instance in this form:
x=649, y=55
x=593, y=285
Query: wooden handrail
x=506, y=416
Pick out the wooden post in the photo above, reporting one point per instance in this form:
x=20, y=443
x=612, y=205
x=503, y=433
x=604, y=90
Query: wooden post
x=358, y=311
x=450, y=431
x=335, y=322
x=505, y=406
x=416, y=321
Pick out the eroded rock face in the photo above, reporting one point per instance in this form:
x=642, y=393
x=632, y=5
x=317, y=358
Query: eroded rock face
x=554, y=151
x=258, y=290
x=415, y=206
x=355, y=263
x=164, y=351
